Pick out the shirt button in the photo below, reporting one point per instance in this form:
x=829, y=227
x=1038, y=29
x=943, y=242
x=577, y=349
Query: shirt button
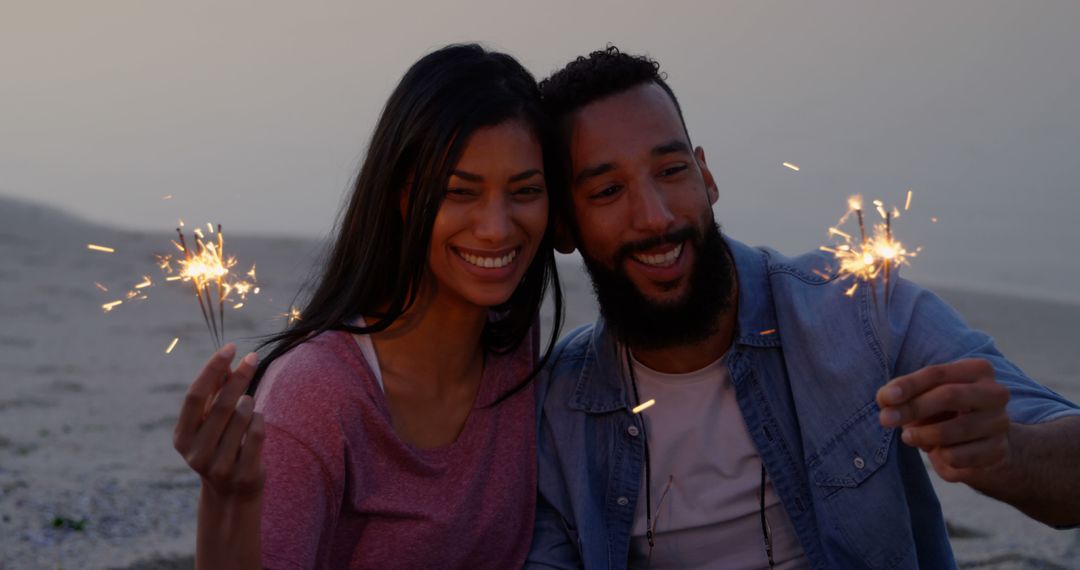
x=632, y=430
x=859, y=463
x=622, y=501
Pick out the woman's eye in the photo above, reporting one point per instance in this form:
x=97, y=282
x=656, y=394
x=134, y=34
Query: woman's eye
x=606, y=192
x=529, y=191
x=458, y=192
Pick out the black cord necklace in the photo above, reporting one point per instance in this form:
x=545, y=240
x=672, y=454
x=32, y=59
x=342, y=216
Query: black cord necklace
x=766, y=532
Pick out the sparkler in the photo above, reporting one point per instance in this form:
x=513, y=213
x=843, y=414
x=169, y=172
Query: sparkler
x=209, y=271
x=875, y=255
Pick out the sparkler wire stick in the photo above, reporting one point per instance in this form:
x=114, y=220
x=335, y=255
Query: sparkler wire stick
x=195, y=284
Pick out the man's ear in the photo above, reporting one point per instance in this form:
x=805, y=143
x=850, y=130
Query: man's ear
x=706, y=174
x=563, y=237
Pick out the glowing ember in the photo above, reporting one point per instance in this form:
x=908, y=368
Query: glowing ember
x=95, y=247
x=768, y=332
x=112, y=305
x=172, y=345
x=791, y=166
x=293, y=315
x=643, y=406
x=100, y=286
x=167, y=197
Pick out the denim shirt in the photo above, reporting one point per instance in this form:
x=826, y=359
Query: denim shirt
x=805, y=364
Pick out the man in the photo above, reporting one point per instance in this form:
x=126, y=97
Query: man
x=776, y=437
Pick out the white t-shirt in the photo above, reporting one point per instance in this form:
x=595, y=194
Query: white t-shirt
x=367, y=348
x=703, y=458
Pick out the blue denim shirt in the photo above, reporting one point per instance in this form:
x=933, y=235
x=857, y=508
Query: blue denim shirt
x=858, y=498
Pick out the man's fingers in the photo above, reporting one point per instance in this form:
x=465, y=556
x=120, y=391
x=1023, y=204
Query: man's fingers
x=201, y=391
x=945, y=399
x=903, y=388
x=963, y=428
x=952, y=461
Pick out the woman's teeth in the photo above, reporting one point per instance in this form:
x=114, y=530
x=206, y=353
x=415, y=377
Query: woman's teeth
x=489, y=262
x=660, y=259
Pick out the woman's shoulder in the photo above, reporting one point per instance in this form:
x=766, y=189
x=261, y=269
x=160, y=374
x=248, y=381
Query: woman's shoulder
x=317, y=376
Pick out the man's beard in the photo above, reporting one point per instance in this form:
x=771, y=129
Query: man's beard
x=641, y=322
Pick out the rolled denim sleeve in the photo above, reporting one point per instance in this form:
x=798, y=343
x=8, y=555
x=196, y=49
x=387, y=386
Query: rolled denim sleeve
x=929, y=331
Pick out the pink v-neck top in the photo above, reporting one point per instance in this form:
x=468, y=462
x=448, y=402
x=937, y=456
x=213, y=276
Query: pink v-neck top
x=343, y=491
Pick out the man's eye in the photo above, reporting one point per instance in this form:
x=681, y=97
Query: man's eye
x=673, y=170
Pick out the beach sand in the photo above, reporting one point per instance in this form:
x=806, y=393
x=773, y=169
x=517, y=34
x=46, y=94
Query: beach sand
x=88, y=399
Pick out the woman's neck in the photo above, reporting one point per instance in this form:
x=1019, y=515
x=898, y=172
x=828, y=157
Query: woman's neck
x=437, y=342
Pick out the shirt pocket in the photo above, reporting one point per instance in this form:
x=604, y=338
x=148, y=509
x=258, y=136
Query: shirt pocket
x=860, y=494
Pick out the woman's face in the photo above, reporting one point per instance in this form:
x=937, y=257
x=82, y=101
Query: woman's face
x=493, y=217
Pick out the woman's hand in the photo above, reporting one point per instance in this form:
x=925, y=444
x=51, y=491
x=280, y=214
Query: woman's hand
x=218, y=432
x=220, y=436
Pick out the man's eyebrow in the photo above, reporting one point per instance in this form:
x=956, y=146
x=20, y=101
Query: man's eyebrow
x=591, y=171
x=675, y=146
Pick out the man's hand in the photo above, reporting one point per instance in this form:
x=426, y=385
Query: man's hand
x=955, y=413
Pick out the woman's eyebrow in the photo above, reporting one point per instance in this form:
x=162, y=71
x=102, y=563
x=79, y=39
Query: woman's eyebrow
x=469, y=176
x=526, y=175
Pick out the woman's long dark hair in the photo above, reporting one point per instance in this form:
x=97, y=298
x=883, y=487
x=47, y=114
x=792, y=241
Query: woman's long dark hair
x=378, y=259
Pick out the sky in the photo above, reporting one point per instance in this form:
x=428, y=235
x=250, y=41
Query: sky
x=256, y=114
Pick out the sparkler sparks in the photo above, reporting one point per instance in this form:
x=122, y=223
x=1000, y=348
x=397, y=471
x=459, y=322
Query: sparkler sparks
x=209, y=271
x=102, y=248
x=100, y=286
x=172, y=345
x=874, y=254
x=791, y=166
x=643, y=406
x=293, y=315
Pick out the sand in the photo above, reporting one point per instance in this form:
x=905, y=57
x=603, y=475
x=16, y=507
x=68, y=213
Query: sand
x=88, y=399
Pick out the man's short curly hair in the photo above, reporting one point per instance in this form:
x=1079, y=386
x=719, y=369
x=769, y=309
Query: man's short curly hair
x=602, y=74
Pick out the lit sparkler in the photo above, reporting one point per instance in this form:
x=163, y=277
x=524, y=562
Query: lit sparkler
x=875, y=254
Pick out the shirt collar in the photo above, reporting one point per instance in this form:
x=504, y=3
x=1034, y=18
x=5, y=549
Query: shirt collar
x=601, y=386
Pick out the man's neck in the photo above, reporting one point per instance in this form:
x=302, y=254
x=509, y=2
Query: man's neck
x=685, y=358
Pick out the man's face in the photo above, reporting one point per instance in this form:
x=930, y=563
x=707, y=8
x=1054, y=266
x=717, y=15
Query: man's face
x=642, y=202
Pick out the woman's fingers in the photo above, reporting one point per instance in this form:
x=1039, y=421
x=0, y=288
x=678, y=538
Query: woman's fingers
x=221, y=469
x=201, y=392
x=221, y=411
x=249, y=468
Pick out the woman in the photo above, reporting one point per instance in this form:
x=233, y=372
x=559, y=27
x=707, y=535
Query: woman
x=395, y=422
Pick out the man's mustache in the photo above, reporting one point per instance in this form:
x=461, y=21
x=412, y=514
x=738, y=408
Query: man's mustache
x=674, y=238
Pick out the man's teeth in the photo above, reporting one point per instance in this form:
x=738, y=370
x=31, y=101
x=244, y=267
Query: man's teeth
x=660, y=259
x=489, y=262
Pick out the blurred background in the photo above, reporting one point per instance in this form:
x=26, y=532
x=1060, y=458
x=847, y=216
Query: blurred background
x=117, y=118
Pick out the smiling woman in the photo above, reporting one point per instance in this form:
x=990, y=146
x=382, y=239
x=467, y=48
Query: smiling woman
x=393, y=425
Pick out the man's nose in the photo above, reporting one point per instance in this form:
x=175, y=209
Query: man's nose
x=650, y=210
x=492, y=222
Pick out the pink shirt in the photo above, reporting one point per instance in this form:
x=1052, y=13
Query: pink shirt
x=343, y=491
